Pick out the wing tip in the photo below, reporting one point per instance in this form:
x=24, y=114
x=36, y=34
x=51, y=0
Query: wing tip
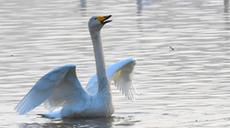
x=19, y=110
x=131, y=58
x=69, y=66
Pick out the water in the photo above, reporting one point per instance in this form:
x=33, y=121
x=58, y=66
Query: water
x=182, y=50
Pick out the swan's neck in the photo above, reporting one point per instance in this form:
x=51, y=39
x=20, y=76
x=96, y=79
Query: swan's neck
x=103, y=84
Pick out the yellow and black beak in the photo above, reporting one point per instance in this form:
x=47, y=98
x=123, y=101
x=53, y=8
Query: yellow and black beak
x=104, y=19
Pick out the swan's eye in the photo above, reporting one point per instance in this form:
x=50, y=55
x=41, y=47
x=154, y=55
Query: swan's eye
x=95, y=18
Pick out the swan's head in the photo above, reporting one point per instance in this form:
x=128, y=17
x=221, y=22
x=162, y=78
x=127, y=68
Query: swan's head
x=97, y=22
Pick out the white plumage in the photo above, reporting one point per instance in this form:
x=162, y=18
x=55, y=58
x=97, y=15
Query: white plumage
x=64, y=95
x=121, y=74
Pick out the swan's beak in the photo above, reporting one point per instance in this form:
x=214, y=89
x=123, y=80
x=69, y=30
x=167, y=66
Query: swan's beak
x=104, y=19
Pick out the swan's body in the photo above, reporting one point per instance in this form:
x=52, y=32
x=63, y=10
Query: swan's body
x=61, y=90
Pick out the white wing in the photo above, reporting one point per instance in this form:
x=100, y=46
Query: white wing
x=121, y=74
x=58, y=87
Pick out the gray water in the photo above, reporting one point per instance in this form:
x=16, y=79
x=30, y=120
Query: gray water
x=182, y=50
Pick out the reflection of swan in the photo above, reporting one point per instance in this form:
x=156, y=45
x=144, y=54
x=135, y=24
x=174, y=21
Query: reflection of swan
x=70, y=123
x=226, y=5
x=141, y=4
x=83, y=3
x=62, y=91
x=89, y=122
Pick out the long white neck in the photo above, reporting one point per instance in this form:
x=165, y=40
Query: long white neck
x=100, y=63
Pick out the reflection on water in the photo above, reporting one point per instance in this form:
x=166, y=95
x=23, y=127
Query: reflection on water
x=226, y=5
x=142, y=3
x=83, y=4
x=84, y=123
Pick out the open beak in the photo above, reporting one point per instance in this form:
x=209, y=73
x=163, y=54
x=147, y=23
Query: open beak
x=104, y=19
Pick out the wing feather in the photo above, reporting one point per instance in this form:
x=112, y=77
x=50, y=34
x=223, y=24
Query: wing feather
x=121, y=74
x=60, y=83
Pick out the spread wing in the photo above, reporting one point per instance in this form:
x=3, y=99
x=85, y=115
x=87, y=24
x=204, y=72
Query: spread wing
x=121, y=74
x=56, y=88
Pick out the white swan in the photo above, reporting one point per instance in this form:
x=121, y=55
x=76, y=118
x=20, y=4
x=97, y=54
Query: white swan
x=61, y=90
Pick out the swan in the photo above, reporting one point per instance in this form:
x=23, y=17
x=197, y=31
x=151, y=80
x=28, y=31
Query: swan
x=63, y=93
